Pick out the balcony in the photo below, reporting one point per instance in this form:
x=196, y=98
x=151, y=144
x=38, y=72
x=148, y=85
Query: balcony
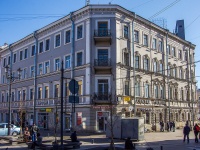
x=102, y=66
x=102, y=36
x=102, y=98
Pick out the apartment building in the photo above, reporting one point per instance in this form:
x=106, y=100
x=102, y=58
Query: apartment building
x=119, y=59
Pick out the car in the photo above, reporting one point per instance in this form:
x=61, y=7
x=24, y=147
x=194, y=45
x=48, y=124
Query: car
x=4, y=129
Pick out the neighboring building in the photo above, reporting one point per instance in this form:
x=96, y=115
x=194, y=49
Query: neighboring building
x=198, y=98
x=96, y=45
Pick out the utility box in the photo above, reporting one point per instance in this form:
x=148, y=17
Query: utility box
x=128, y=127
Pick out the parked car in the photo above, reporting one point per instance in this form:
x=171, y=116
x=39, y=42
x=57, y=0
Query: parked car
x=4, y=129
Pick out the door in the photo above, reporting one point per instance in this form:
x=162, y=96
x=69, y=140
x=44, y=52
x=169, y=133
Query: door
x=43, y=120
x=2, y=129
x=102, y=120
x=103, y=57
x=67, y=123
x=102, y=29
x=103, y=89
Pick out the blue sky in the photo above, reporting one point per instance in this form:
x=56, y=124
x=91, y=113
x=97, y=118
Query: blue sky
x=19, y=18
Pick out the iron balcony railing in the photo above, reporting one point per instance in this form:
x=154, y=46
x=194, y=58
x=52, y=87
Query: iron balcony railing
x=102, y=62
x=102, y=96
x=102, y=33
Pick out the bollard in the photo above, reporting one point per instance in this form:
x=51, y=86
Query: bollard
x=161, y=147
x=92, y=141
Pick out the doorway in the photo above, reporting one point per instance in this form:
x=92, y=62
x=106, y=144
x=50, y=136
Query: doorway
x=67, y=124
x=102, y=121
x=43, y=120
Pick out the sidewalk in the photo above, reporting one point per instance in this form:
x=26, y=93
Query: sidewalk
x=169, y=141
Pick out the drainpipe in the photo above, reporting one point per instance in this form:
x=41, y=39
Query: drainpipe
x=9, y=94
x=35, y=76
x=133, y=55
x=72, y=67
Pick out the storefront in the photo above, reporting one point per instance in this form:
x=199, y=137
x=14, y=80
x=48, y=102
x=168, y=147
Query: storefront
x=43, y=118
x=102, y=120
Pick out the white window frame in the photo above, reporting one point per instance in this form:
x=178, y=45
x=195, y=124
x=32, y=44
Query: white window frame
x=69, y=61
x=45, y=44
x=103, y=77
x=32, y=51
x=55, y=64
x=65, y=36
x=55, y=40
x=45, y=69
x=76, y=31
x=77, y=59
x=40, y=72
x=42, y=47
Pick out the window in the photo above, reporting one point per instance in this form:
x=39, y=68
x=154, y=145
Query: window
x=146, y=90
x=160, y=48
x=137, y=62
x=126, y=59
x=46, y=92
x=25, y=53
x=46, y=69
x=31, y=94
x=154, y=43
x=23, y=95
x=156, y=91
x=67, y=62
x=8, y=60
x=136, y=36
x=13, y=96
x=182, y=94
x=19, y=95
x=170, y=92
x=24, y=73
x=40, y=93
x=79, y=59
x=40, y=69
x=127, y=88
x=180, y=54
x=2, y=97
x=7, y=97
x=161, y=68
x=57, y=64
x=32, y=71
x=145, y=42
x=176, y=94
x=102, y=58
x=174, y=51
x=80, y=32
x=33, y=50
x=155, y=66
x=4, y=62
x=57, y=40
x=161, y=92
x=180, y=74
x=126, y=32
x=20, y=55
x=56, y=90
x=67, y=36
x=137, y=89
x=168, y=50
x=103, y=88
x=41, y=47
x=186, y=56
x=174, y=72
x=146, y=64
x=14, y=58
x=47, y=45
x=67, y=92
x=103, y=29
x=80, y=84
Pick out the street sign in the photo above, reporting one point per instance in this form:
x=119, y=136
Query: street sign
x=73, y=99
x=73, y=86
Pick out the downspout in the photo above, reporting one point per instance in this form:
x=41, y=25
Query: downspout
x=35, y=76
x=133, y=55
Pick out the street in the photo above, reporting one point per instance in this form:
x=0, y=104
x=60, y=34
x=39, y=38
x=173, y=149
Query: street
x=168, y=141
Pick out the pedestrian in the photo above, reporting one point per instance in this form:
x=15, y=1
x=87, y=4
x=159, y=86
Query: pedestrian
x=186, y=132
x=74, y=137
x=173, y=126
x=161, y=126
x=168, y=126
x=196, y=129
x=34, y=131
x=38, y=142
x=26, y=135
x=128, y=144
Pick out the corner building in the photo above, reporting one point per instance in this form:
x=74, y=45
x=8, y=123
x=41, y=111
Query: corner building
x=98, y=44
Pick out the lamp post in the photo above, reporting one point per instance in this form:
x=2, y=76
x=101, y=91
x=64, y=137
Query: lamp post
x=11, y=78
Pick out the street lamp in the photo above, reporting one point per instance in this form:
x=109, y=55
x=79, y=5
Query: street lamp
x=11, y=78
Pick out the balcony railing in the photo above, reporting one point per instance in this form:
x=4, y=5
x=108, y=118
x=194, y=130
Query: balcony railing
x=102, y=33
x=102, y=96
x=102, y=62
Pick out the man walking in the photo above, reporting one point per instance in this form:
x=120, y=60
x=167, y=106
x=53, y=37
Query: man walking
x=186, y=132
x=196, y=132
x=34, y=131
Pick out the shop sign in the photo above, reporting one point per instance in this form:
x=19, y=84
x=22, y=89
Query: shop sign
x=127, y=98
x=48, y=110
x=42, y=109
x=79, y=118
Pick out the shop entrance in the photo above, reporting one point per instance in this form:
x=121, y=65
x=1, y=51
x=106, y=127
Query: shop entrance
x=102, y=120
x=43, y=120
x=67, y=123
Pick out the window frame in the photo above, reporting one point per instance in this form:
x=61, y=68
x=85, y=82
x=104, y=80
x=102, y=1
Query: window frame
x=55, y=40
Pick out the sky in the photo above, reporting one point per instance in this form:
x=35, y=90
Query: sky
x=19, y=18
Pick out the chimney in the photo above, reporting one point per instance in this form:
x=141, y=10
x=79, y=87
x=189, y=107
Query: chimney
x=180, y=29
